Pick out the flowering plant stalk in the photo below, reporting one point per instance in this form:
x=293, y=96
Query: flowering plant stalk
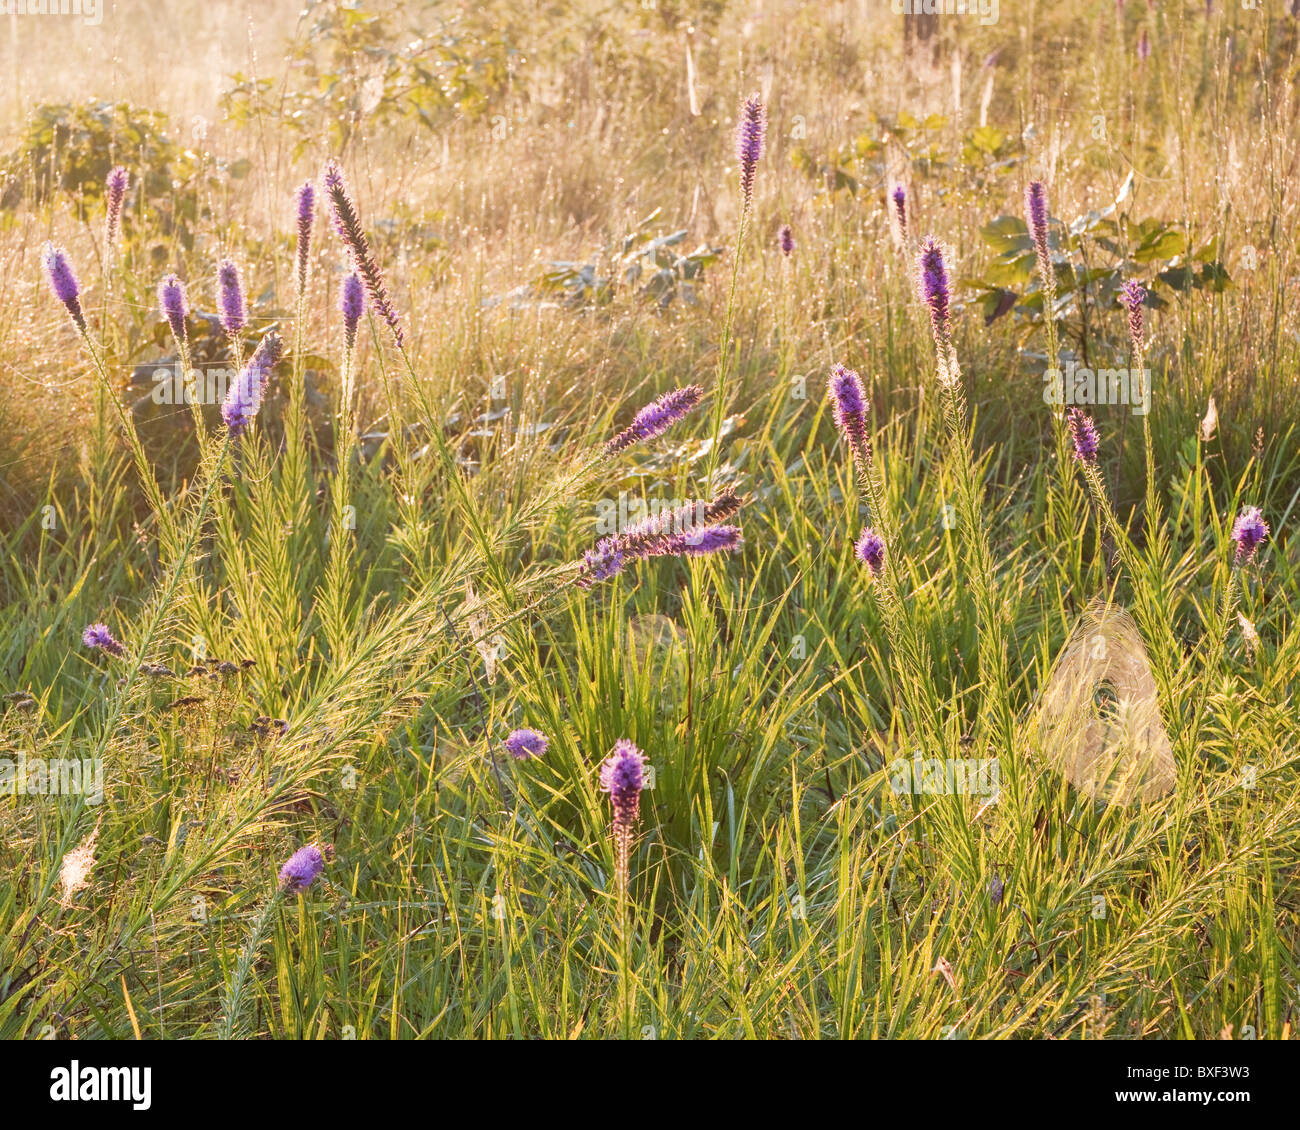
x=992, y=645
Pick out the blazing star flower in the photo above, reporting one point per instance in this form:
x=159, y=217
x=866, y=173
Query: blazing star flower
x=1083, y=433
x=172, y=303
x=699, y=543
x=98, y=635
x=749, y=144
x=936, y=294
x=244, y=396
x=849, y=402
x=524, y=744
x=899, y=200
x=114, y=194
x=234, y=313
x=1036, y=214
x=785, y=240
x=347, y=222
x=306, y=201
x=352, y=302
x=303, y=868
x=1144, y=47
x=996, y=888
x=870, y=550
x=622, y=776
x=687, y=531
x=656, y=418
x=1249, y=531
x=601, y=563
x=63, y=282
x=1131, y=295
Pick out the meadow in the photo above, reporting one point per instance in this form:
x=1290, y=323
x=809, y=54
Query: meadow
x=556, y=519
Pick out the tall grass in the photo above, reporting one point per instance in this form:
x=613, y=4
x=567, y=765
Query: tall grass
x=398, y=567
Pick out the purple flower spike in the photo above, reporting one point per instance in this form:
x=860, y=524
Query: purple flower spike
x=63, y=282
x=622, y=775
x=98, y=635
x=936, y=294
x=347, y=221
x=114, y=193
x=172, y=303
x=749, y=144
x=1036, y=214
x=870, y=550
x=785, y=240
x=1144, y=47
x=1249, y=531
x=688, y=531
x=1083, y=433
x=599, y=564
x=699, y=543
x=303, y=868
x=1131, y=295
x=234, y=313
x=306, y=202
x=244, y=397
x=898, y=198
x=656, y=418
x=849, y=400
x=352, y=302
x=524, y=744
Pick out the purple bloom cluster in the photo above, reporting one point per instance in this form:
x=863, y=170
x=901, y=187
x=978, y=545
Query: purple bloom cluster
x=306, y=203
x=1249, y=531
x=347, y=222
x=234, y=312
x=870, y=550
x=63, y=282
x=523, y=744
x=749, y=144
x=687, y=531
x=656, y=418
x=785, y=240
x=1131, y=295
x=1083, y=434
x=899, y=200
x=114, y=194
x=352, y=303
x=244, y=397
x=172, y=303
x=849, y=403
x=622, y=776
x=936, y=294
x=302, y=868
x=1036, y=214
x=98, y=636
